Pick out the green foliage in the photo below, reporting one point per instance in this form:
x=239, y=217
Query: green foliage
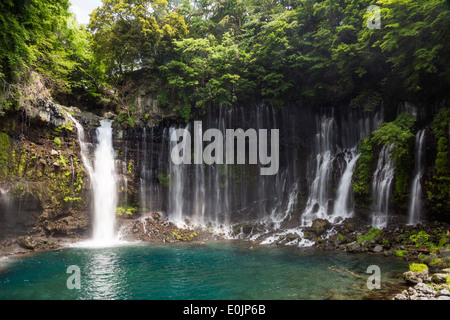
x=363, y=170
x=398, y=134
x=133, y=34
x=419, y=238
x=370, y=235
x=128, y=210
x=39, y=36
x=308, y=51
x=222, y=53
x=438, y=187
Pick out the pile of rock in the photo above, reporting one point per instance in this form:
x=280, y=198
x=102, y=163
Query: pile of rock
x=426, y=286
x=154, y=227
x=423, y=291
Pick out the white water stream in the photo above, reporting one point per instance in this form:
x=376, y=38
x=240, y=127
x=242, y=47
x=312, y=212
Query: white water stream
x=103, y=181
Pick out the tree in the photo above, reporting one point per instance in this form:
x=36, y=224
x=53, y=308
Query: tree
x=38, y=36
x=133, y=34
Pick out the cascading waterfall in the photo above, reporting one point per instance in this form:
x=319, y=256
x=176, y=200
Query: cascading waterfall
x=415, y=203
x=381, y=187
x=83, y=146
x=351, y=129
x=103, y=181
x=223, y=196
x=104, y=184
x=178, y=180
x=317, y=206
x=214, y=194
x=342, y=205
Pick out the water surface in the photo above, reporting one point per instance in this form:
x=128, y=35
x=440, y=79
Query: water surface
x=214, y=270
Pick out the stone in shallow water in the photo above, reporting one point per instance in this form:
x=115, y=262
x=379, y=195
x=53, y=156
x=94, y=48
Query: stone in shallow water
x=378, y=249
x=353, y=247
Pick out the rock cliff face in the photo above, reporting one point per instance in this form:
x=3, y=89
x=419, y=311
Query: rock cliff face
x=45, y=190
x=43, y=185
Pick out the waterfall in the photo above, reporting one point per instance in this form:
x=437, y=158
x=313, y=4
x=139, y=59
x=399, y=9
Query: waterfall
x=103, y=181
x=219, y=195
x=178, y=180
x=313, y=181
x=143, y=174
x=83, y=147
x=318, y=201
x=415, y=204
x=104, y=184
x=342, y=207
x=381, y=187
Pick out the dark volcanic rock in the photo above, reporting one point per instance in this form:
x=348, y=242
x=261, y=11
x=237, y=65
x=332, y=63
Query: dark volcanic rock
x=319, y=226
x=26, y=242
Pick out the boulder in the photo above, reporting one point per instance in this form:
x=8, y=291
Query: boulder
x=319, y=226
x=446, y=270
x=378, y=249
x=292, y=236
x=354, y=247
x=349, y=226
x=26, y=242
x=400, y=297
x=444, y=252
x=444, y=292
x=439, y=278
x=413, y=277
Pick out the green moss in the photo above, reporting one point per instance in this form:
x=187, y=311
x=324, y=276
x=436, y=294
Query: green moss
x=370, y=235
x=130, y=167
x=57, y=141
x=437, y=262
x=417, y=267
x=401, y=253
x=164, y=179
x=4, y=152
x=22, y=163
x=62, y=161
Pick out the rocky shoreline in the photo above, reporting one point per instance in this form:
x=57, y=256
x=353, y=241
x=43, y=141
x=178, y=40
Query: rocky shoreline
x=427, y=244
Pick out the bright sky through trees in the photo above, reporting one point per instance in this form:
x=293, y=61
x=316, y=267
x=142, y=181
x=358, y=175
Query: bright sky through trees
x=82, y=9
